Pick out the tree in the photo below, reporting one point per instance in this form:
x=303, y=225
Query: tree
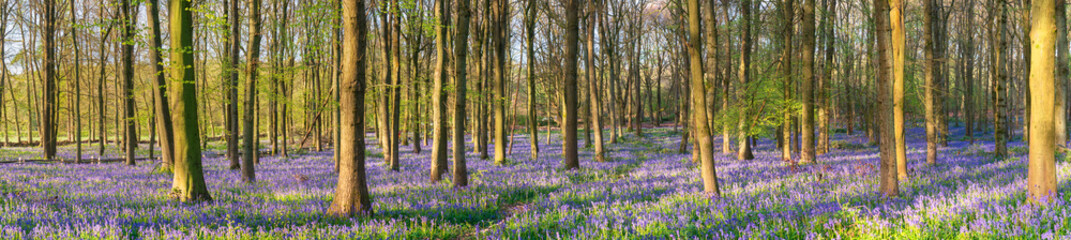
x=896, y=21
x=48, y=124
x=807, y=156
x=250, y=146
x=461, y=175
x=438, y=93
x=930, y=15
x=230, y=75
x=77, y=85
x=569, y=151
x=889, y=184
x=787, y=22
x=595, y=101
x=351, y=193
x=188, y=183
x=1061, y=75
x=1041, y=171
x=131, y=140
x=529, y=27
x=161, y=107
x=744, y=150
x=703, y=145
x=395, y=85
x=501, y=37
x=997, y=44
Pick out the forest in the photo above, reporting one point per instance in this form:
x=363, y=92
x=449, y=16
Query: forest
x=534, y=119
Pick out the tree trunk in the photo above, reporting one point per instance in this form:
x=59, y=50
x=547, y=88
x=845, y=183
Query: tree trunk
x=250, y=146
x=188, y=183
x=889, y=185
x=1060, y=114
x=438, y=94
x=1041, y=172
x=533, y=124
x=351, y=193
x=744, y=151
x=807, y=156
x=930, y=19
x=162, y=110
x=997, y=44
x=896, y=21
x=700, y=126
x=595, y=102
x=461, y=178
x=131, y=139
x=231, y=83
x=787, y=22
x=569, y=152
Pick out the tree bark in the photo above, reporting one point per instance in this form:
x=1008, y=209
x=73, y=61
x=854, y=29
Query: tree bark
x=700, y=126
x=889, y=185
x=807, y=154
x=351, y=194
x=188, y=183
x=163, y=110
x=1041, y=171
x=460, y=178
x=438, y=93
x=569, y=152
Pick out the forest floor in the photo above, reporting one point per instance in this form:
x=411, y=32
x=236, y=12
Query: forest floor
x=647, y=190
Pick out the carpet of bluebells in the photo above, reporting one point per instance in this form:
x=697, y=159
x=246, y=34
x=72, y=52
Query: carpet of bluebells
x=647, y=190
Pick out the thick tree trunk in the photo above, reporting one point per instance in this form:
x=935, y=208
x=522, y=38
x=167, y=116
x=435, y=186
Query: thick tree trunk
x=461, y=178
x=744, y=151
x=569, y=152
x=1041, y=172
x=231, y=83
x=130, y=142
x=700, y=126
x=188, y=183
x=889, y=185
x=595, y=102
x=807, y=154
x=438, y=94
x=896, y=21
x=351, y=194
x=1060, y=114
x=787, y=23
x=250, y=144
x=47, y=120
x=997, y=43
x=929, y=13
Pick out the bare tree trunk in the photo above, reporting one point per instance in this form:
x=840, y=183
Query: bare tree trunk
x=787, y=22
x=744, y=151
x=997, y=44
x=251, y=146
x=569, y=152
x=438, y=93
x=701, y=128
x=929, y=14
x=351, y=194
x=460, y=178
x=231, y=83
x=131, y=139
x=160, y=100
x=807, y=155
x=1060, y=114
x=595, y=102
x=1041, y=172
x=188, y=182
x=889, y=185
